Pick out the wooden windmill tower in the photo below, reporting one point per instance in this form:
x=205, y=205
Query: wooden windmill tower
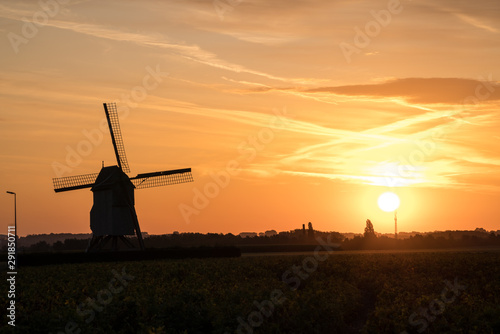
x=113, y=213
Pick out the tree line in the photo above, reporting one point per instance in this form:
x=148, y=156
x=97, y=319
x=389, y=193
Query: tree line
x=369, y=240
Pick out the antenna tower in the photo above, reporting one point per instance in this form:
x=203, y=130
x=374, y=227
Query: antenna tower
x=395, y=224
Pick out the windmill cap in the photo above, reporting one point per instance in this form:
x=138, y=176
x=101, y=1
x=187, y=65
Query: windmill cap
x=109, y=177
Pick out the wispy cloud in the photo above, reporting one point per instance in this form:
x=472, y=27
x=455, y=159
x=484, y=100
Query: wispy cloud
x=379, y=154
x=475, y=22
x=192, y=52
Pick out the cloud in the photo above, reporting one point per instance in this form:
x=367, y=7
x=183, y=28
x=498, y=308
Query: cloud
x=475, y=22
x=481, y=17
x=189, y=51
x=377, y=154
x=422, y=90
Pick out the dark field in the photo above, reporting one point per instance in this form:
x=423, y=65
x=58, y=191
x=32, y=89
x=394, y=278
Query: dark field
x=428, y=292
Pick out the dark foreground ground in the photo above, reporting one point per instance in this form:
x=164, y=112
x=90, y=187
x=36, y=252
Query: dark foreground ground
x=426, y=292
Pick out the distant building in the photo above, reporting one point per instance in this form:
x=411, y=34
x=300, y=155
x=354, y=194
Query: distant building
x=247, y=234
x=310, y=232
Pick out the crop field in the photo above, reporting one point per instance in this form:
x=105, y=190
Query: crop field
x=428, y=292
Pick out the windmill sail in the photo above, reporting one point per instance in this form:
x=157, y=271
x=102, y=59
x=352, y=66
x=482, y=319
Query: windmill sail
x=74, y=182
x=116, y=135
x=164, y=178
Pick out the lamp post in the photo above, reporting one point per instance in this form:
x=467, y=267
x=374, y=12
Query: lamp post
x=15, y=219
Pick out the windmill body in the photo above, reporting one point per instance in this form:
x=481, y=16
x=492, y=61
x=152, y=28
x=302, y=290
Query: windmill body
x=113, y=198
x=113, y=214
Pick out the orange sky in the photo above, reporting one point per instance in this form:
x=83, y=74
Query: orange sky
x=322, y=106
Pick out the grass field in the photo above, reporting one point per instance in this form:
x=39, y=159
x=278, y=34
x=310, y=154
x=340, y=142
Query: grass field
x=428, y=292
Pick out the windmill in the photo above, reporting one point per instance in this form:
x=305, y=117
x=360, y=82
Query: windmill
x=113, y=213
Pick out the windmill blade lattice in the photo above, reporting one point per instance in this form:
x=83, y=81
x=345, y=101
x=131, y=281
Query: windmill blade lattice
x=74, y=182
x=158, y=179
x=116, y=135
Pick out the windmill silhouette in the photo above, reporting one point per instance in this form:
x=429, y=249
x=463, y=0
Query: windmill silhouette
x=113, y=213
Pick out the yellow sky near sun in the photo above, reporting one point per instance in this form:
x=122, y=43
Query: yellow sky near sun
x=318, y=135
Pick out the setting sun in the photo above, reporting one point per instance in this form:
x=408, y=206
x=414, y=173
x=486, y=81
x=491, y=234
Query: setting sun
x=388, y=201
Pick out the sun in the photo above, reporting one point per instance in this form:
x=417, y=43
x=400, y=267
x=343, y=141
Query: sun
x=388, y=201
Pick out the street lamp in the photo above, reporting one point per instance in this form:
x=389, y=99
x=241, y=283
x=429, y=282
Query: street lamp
x=15, y=219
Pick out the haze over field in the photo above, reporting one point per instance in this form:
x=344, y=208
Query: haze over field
x=287, y=112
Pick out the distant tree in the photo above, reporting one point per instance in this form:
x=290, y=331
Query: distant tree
x=369, y=231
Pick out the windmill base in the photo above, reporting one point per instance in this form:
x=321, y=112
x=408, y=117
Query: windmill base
x=110, y=243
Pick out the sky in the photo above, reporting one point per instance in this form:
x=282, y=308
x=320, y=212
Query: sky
x=288, y=112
